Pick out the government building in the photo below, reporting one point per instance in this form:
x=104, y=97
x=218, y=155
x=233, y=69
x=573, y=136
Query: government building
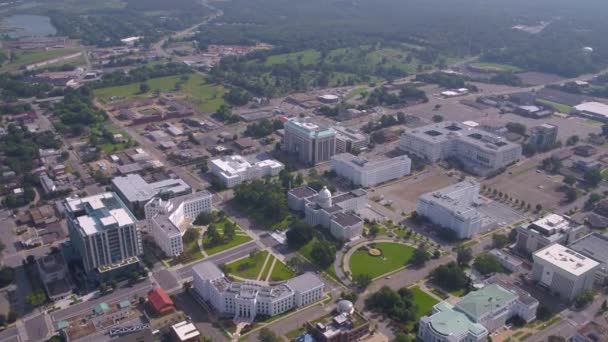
x=335, y=213
x=168, y=220
x=234, y=170
x=247, y=300
x=366, y=173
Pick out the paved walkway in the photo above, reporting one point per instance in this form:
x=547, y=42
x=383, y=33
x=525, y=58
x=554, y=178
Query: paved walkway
x=269, y=255
x=274, y=262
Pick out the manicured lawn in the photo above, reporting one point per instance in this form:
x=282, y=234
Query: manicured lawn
x=204, y=96
x=35, y=56
x=266, y=269
x=424, y=301
x=394, y=256
x=248, y=267
x=281, y=272
x=305, y=57
x=497, y=67
x=562, y=108
x=240, y=237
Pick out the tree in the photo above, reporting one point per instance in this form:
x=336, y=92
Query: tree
x=516, y=127
x=584, y=298
x=374, y=230
x=299, y=234
x=229, y=231
x=144, y=88
x=572, y=140
x=604, y=306
x=35, y=298
x=437, y=118
x=203, y=219
x=7, y=275
x=12, y=317
x=297, y=264
x=420, y=256
x=464, y=256
x=450, y=276
x=486, y=264
x=362, y=280
x=323, y=254
x=190, y=235
x=593, y=176
x=213, y=235
x=500, y=240
x=401, y=337
x=267, y=335
x=538, y=207
x=570, y=180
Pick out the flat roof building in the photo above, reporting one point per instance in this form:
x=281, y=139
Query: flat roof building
x=309, y=142
x=546, y=231
x=185, y=332
x=456, y=207
x=594, y=246
x=135, y=191
x=350, y=140
x=363, y=172
x=563, y=271
x=234, y=170
x=480, y=152
x=103, y=232
x=249, y=299
x=593, y=110
x=168, y=220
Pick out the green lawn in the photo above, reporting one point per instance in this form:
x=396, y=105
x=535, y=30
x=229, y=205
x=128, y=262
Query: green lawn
x=497, y=67
x=204, y=96
x=35, y=56
x=281, y=272
x=562, y=108
x=240, y=238
x=394, y=256
x=306, y=57
x=424, y=301
x=107, y=146
x=248, y=267
x=354, y=94
x=458, y=293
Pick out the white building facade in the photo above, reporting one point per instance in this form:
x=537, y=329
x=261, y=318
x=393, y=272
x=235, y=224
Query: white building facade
x=480, y=152
x=247, y=300
x=363, y=172
x=234, y=170
x=455, y=207
x=309, y=142
x=167, y=220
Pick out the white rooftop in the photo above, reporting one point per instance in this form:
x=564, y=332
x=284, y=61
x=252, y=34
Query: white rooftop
x=593, y=107
x=566, y=259
x=100, y=212
x=553, y=222
x=185, y=331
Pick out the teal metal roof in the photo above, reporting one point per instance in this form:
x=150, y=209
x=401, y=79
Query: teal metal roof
x=448, y=322
x=487, y=299
x=124, y=304
x=62, y=325
x=101, y=308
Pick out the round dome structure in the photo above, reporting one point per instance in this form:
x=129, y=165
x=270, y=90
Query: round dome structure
x=328, y=98
x=324, y=198
x=345, y=306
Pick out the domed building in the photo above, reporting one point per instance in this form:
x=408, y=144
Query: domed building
x=345, y=307
x=324, y=198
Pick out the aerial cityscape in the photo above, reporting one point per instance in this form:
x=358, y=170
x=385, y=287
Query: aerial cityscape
x=308, y=171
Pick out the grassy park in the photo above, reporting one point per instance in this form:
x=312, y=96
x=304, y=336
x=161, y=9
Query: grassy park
x=562, y=108
x=424, y=301
x=204, y=96
x=239, y=238
x=394, y=256
x=248, y=267
x=23, y=58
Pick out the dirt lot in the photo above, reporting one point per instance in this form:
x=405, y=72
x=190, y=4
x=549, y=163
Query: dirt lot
x=538, y=78
x=405, y=192
x=524, y=182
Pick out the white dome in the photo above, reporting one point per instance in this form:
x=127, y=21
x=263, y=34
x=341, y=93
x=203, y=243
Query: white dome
x=345, y=306
x=324, y=193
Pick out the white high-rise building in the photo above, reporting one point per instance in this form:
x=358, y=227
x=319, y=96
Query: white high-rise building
x=480, y=152
x=103, y=232
x=168, y=220
x=249, y=299
x=455, y=207
x=363, y=172
x=234, y=170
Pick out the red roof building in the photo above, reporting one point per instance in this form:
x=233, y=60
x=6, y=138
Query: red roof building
x=160, y=301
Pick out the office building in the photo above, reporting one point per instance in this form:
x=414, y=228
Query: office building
x=456, y=207
x=543, y=137
x=563, y=271
x=476, y=315
x=480, y=152
x=594, y=246
x=103, y=231
x=334, y=213
x=53, y=272
x=546, y=231
x=135, y=192
x=309, y=142
x=234, y=170
x=247, y=300
x=168, y=220
x=349, y=140
x=366, y=173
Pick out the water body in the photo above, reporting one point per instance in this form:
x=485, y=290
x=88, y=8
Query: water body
x=25, y=25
